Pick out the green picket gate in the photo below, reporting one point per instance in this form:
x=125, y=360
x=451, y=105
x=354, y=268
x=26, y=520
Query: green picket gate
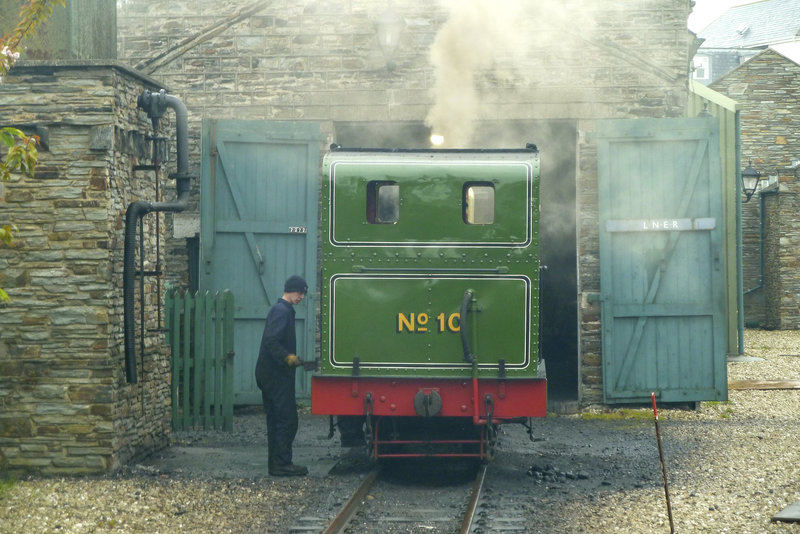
x=200, y=334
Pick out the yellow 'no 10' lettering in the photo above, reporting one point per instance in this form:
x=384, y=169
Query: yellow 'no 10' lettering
x=418, y=322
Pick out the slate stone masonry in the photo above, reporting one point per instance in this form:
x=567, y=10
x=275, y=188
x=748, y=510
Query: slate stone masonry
x=65, y=406
x=781, y=262
x=765, y=87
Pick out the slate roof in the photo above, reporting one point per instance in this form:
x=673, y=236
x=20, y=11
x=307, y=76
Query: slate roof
x=754, y=25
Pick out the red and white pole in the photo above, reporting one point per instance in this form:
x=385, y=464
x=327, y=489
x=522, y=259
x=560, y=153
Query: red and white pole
x=663, y=465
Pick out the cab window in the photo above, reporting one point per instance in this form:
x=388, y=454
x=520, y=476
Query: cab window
x=383, y=202
x=478, y=203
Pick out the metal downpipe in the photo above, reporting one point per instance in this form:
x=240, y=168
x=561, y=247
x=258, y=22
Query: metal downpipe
x=739, y=266
x=155, y=104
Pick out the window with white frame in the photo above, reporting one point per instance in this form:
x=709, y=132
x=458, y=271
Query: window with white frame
x=701, y=70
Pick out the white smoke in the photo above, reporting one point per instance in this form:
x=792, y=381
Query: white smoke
x=478, y=36
x=488, y=48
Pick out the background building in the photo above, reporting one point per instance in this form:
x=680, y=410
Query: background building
x=742, y=32
x=765, y=87
x=268, y=86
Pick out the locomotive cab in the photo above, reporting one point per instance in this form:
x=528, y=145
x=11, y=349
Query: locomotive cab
x=430, y=292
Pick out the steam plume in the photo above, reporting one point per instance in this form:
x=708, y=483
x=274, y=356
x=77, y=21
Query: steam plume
x=476, y=34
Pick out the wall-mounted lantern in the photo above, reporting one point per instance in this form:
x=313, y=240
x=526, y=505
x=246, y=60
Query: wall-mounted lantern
x=750, y=178
x=388, y=28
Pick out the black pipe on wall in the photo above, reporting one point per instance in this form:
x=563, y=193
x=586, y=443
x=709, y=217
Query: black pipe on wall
x=155, y=104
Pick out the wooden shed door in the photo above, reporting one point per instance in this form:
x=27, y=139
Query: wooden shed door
x=260, y=183
x=661, y=260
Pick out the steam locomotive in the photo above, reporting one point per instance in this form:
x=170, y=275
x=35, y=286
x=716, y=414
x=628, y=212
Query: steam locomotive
x=430, y=298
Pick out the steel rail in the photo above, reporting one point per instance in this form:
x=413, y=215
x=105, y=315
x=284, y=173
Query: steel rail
x=472, y=507
x=339, y=522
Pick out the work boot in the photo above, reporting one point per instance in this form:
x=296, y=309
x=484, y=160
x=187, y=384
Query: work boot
x=288, y=470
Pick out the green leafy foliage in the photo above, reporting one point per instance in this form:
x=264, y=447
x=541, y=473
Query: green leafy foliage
x=21, y=153
x=32, y=14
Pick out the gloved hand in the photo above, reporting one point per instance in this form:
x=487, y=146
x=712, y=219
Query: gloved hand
x=292, y=360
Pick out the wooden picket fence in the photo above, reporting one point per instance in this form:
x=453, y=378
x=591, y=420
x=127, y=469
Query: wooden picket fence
x=200, y=334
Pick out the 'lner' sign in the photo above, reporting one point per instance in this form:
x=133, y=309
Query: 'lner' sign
x=660, y=225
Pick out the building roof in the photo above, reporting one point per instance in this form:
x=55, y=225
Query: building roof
x=788, y=51
x=754, y=25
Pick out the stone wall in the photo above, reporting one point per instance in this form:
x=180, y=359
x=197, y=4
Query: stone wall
x=65, y=405
x=781, y=261
x=319, y=60
x=765, y=87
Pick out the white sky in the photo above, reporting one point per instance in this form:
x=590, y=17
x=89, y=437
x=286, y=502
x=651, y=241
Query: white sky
x=705, y=11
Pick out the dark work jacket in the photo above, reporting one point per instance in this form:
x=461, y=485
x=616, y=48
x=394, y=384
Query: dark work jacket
x=277, y=342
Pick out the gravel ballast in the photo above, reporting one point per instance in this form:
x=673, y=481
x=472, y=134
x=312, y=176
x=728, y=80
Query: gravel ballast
x=731, y=467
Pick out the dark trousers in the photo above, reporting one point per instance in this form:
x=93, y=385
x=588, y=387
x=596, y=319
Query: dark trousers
x=282, y=421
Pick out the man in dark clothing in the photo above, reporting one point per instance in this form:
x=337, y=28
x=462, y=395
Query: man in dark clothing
x=275, y=376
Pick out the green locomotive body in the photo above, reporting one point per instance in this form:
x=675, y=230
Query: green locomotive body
x=430, y=284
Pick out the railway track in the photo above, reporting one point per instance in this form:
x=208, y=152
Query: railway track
x=386, y=502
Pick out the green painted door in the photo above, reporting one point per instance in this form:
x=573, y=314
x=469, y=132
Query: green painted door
x=662, y=267
x=259, y=204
